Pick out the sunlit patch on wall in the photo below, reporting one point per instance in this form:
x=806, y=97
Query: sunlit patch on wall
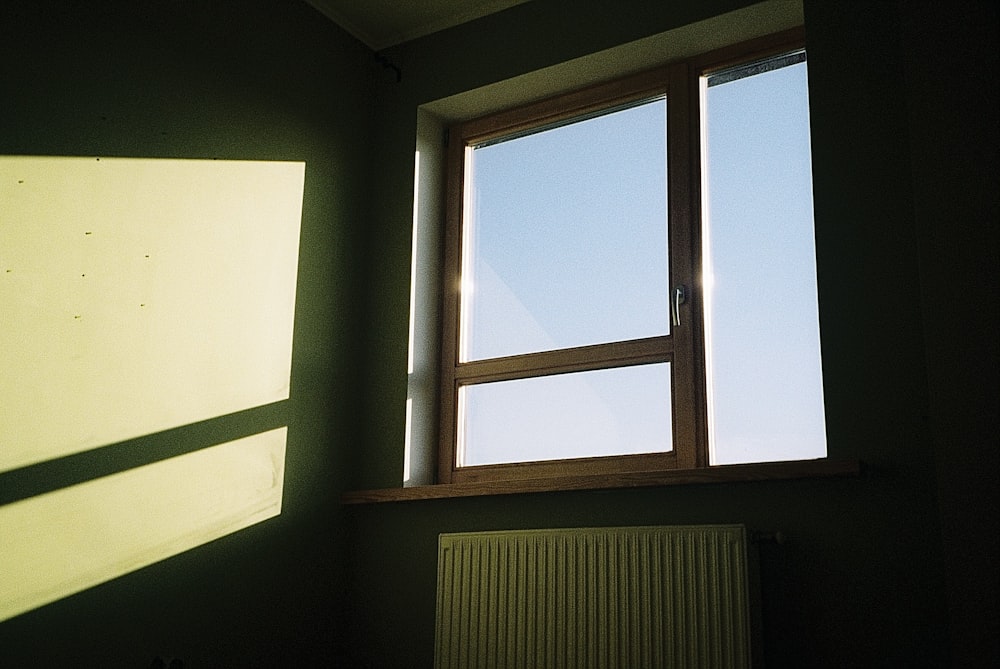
x=77, y=537
x=140, y=295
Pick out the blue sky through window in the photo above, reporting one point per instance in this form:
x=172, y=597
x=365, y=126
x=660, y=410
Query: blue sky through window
x=569, y=236
x=763, y=351
x=567, y=245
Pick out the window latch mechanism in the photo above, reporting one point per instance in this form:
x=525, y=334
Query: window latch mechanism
x=679, y=298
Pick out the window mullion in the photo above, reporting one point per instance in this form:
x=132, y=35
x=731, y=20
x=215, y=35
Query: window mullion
x=683, y=175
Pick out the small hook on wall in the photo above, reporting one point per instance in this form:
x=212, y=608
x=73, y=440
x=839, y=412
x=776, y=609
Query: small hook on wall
x=388, y=64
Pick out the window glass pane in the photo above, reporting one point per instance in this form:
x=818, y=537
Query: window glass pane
x=565, y=236
x=618, y=411
x=762, y=326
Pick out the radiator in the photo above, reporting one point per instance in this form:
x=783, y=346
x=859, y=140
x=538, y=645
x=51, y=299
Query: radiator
x=600, y=598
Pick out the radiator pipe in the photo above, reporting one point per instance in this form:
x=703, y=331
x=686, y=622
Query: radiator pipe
x=775, y=537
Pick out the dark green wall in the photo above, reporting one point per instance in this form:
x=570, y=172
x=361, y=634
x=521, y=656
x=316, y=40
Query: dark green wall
x=228, y=79
x=865, y=578
x=951, y=75
x=874, y=568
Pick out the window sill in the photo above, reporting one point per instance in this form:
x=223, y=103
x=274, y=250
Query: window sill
x=767, y=471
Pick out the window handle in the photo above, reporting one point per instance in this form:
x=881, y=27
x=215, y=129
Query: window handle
x=679, y=298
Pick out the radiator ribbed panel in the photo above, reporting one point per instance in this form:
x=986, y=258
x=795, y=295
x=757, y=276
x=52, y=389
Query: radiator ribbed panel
x=594, y=598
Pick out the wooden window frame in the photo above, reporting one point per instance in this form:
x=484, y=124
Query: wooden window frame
x=683, y=347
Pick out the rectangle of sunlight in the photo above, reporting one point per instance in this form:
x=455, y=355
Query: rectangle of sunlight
x=69, y=540
x=140, y=295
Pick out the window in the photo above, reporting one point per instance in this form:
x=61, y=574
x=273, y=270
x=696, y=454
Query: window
x=630, y=277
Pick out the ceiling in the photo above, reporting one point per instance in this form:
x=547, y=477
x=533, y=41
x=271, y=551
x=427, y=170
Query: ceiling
x=383, y=23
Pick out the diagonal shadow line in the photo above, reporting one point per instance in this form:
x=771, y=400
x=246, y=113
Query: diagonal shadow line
x=51, y=475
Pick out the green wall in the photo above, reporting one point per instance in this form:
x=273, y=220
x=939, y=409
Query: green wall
x=874, y=567
x=227, y=79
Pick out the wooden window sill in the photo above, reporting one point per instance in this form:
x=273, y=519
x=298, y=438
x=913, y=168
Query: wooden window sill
x=766, y=471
